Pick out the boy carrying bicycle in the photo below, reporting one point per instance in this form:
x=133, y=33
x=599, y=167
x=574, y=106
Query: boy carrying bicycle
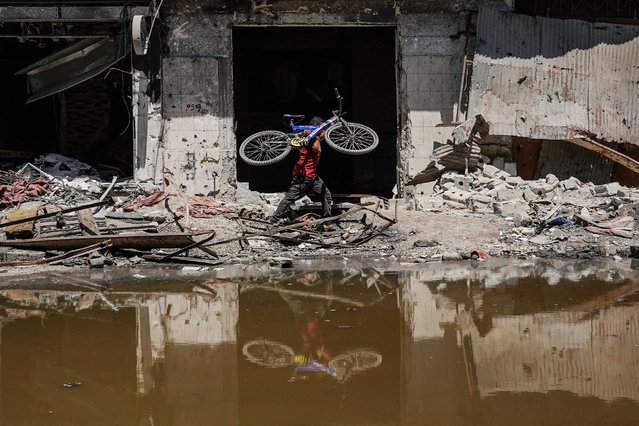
x=305, y=178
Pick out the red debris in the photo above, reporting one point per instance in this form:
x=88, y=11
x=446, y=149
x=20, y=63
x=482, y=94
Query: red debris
x=203, y=207
x=21, y=190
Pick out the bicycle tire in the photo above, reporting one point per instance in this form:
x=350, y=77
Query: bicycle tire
x=265, y=148
x=351, y=138
x=356, y=360
x=267, y=353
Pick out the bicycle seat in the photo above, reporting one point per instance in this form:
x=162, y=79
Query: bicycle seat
x=293, y=117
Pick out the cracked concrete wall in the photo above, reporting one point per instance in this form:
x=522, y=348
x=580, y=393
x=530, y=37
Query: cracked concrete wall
x=432, y=53
x=192, y=146
x=199, y=143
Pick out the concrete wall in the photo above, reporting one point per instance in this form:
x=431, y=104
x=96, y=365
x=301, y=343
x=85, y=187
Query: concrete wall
x=432, y=52
x=192, y=148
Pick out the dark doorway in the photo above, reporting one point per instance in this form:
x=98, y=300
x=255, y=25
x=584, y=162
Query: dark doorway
x=295, y=70
x=91, y=122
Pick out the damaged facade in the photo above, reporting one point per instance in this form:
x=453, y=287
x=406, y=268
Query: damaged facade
x=213, y=72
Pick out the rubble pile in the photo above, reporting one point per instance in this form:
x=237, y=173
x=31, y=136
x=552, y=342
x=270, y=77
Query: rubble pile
x=543, y=212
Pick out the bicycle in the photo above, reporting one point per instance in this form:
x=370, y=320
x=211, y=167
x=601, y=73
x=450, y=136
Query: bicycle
x=270, y=354
x=271, y=146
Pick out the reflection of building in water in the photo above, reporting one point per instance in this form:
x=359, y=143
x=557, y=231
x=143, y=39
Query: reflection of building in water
x=466, y=340
x=186, y=346
x=184, y=357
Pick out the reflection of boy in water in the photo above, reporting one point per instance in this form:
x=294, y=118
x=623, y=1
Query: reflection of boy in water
x=308, y=312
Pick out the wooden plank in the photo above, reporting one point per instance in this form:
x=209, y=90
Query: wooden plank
x=54, y=213
x=139, y=241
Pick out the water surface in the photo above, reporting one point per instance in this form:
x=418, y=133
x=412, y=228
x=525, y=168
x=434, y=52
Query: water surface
x=340, y=343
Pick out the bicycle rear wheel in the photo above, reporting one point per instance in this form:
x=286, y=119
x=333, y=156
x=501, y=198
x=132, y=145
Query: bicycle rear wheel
x=351, y=138
x=265, y=148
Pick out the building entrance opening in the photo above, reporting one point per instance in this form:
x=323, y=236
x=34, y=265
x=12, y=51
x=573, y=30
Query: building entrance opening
x=90, y=121
x=293, y=70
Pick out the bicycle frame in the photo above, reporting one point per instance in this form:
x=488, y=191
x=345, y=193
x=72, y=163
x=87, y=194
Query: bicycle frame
x=316, y=130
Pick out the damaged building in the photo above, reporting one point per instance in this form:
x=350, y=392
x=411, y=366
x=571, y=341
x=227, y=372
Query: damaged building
x=166, y=90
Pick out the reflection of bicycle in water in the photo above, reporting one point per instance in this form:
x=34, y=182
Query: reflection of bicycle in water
x=267, y=353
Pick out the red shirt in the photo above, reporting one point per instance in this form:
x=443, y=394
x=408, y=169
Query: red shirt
x=307, y=163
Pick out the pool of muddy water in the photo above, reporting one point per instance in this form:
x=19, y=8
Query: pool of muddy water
x=343, y=342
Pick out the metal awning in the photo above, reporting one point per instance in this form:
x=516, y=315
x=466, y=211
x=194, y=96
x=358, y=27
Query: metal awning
x=72, y=66
x=543, y=78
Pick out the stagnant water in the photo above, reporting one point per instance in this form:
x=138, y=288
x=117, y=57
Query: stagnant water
x=340, y=343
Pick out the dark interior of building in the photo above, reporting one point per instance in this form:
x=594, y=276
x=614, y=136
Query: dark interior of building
x=295, y=70
x=91, y=122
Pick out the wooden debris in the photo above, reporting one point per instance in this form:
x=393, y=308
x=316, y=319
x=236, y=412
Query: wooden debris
x=66, y=256
x=138, y=241
x=88, y=225
x=53, y=213
x=24, y=228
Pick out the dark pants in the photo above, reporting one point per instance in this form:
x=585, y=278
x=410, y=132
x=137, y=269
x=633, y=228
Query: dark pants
x=301, y=186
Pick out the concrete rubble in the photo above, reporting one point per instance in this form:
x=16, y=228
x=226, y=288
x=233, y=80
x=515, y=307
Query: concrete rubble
x=83, y=221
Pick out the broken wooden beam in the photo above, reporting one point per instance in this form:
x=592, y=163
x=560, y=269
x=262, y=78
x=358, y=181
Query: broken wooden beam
x=68, y=255
x=616, y=156
x=136, y=241
x=54, y=213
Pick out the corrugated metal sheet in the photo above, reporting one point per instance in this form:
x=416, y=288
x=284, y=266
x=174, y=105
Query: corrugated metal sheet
x=547, y=78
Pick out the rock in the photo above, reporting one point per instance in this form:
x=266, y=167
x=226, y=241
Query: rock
x=97, y=261
x=490, y=171
x=521, y=218
x=451, y=255
x=508, y=208
x=426, y=243
x=607, y=249
x=570, y=184
x=481, y=199
x=284, y=262
x=506, y=194
x=515, y=180
x=540, y=239
x=135, y=260
x=457, y=180
x=454, y=205
x=529, y=195
x=540, y=188
x=606, y=190
x=457, y=195
x=630, y=210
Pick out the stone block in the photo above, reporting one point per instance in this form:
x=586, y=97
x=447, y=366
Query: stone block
x=630, y=210
x=506, y=194
x=499, y=163
x=606, y=190
x=458, y=180
x=510, y=167
x=540, y=188
x=570, y=184
x=457, y=195
x=490, y=171
x=521, y=218
x=514, y=180
x=509, y=208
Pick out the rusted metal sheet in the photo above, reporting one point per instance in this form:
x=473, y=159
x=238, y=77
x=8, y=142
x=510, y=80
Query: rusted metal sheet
x=544, y=78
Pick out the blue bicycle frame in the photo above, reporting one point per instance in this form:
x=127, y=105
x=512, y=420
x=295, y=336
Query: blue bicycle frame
x=315, y=130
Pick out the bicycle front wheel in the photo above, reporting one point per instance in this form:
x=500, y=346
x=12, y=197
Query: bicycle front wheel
x=268, y=353
x=351, y=138
x=265, y=148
